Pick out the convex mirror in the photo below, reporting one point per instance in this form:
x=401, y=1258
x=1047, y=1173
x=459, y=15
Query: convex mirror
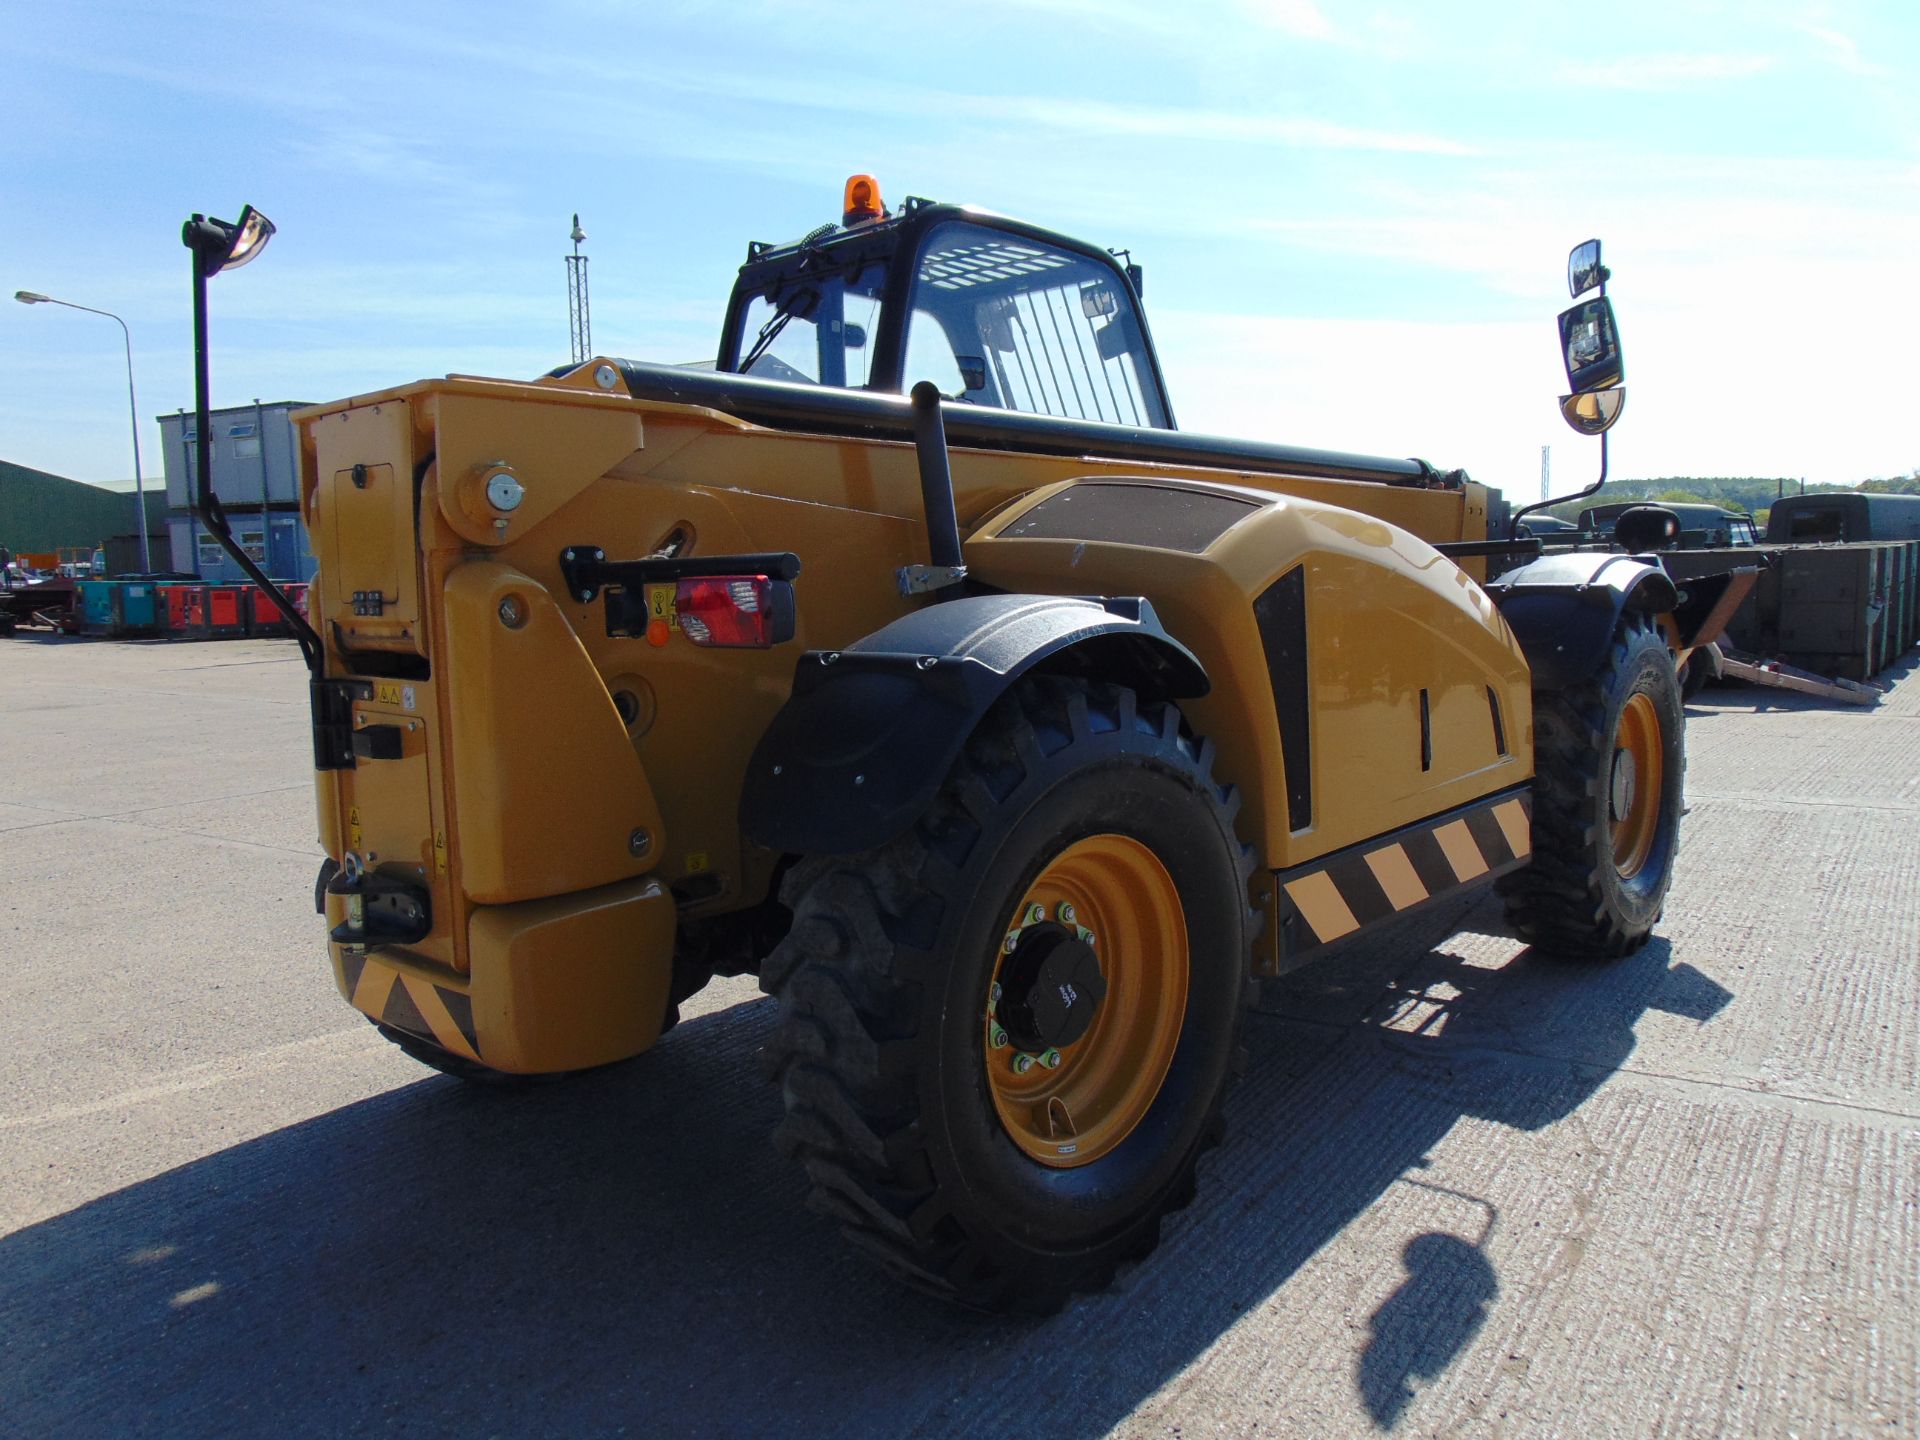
x=1593, y=412
x=1584, y=270
x=1590, y=346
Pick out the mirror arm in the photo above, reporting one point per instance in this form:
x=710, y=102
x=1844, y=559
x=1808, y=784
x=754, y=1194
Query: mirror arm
x=1513, y=523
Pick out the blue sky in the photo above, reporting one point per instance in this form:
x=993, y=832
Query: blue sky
x=1354, y=217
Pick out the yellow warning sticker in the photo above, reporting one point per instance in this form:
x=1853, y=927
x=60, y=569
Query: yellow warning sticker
x=353, y=827
x=660, y=604
x=698, y=863
x=440, y=851
x=386, y=692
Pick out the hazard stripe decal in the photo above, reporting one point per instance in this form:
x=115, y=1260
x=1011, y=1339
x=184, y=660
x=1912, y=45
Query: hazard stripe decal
x=434, y=1013
x=1349, y=891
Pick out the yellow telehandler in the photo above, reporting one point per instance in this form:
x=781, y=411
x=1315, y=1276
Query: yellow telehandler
x=910, y=658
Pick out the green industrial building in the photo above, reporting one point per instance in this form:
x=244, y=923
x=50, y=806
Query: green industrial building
x=42, y=512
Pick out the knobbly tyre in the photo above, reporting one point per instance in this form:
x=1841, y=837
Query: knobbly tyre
x=1007, y=732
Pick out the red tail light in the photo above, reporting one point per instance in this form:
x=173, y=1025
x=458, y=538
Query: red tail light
x=751, y=611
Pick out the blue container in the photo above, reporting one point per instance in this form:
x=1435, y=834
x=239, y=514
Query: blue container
x=139, y=606
x=119, y=607
x=98, y=610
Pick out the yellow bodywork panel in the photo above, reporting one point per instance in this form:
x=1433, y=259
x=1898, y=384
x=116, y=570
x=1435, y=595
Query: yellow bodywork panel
x=558, y=984
x=362, y=518
x=1387, y=616
x=548, y=795
x=573, y=981
x=555, y=446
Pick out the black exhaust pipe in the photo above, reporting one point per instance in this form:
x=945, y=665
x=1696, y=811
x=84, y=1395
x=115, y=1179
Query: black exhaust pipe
x=936, y=479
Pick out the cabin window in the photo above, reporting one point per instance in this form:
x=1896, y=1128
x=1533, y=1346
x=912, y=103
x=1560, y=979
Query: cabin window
x=1003, y=320
x=1817, y=525
x=814, y=329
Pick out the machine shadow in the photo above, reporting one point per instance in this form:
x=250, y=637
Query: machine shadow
x=1424, y=1325
x=624, y=1251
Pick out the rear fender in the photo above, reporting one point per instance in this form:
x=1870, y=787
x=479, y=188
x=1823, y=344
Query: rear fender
x=871, y=731
x=1563, y=609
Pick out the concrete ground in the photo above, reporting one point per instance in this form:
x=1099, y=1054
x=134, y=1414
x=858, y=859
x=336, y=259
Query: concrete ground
x=1468, y=1191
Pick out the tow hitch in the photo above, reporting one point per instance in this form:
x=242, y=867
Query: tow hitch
x=381, y=909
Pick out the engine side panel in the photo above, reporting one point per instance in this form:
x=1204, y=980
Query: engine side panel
x=1404, y=664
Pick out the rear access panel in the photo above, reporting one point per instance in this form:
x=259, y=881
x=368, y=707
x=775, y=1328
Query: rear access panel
x=364, y=514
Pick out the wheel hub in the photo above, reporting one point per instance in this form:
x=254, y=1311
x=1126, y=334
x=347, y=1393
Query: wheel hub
x=1625, y=778
x=1051, y=987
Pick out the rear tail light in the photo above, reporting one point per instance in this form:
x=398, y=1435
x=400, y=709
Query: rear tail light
x=751, y=611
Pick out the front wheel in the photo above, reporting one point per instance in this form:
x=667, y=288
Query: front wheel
x=1609, y=756
x=1005, y=1037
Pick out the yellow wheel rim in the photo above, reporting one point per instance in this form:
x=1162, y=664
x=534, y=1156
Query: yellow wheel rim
x=1073, y=1105
x=1635, y=786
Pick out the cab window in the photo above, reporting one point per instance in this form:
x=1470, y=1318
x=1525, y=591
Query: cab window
x=1002, y=320
x=814, y=329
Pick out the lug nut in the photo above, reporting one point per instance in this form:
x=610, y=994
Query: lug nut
x=1012, y=941
x=1036, y=913
x=999, y=1038
x=993, y=995
x=1051, y=1059
x=1022, y=1063
x=1066, y=913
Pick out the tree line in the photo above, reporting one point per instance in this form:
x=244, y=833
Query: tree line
x=1752, y=493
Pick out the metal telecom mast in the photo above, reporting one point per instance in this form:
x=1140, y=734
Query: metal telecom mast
x=578, y=320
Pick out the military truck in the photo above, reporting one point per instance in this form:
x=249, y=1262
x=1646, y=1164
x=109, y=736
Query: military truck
x=911, y=659
x=1702, y=527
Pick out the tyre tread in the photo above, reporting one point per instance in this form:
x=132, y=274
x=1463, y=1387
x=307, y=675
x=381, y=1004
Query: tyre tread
x=848, y=977
x=1558, y=902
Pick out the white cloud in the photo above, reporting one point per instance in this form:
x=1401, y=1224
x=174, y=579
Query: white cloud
x=1663, y=72
x=1843, y=51
x=1474, y=395
x=1172, y=123
x=1301, y=18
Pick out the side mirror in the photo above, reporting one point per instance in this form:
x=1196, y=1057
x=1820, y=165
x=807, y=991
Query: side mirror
x=1590, y=346
x=1594, y=412
x=1584, y=270
x=1097, y=300
x=1590, y=349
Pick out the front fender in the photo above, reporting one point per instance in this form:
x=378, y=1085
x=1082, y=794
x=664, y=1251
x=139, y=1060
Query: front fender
x=1563, y=608
x=871, y=731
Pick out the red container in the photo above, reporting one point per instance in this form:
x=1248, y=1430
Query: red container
x=227, y=609
x=263, y=616
x=216, y=612
x=175, y=603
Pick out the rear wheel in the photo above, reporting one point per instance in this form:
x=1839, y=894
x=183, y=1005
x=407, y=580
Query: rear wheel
x=1608, y=762
x=1005, y=1037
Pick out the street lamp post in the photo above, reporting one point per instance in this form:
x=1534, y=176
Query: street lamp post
x=31, y=297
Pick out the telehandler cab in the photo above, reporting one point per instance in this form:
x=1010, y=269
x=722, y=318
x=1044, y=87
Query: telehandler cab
x=1008, y=733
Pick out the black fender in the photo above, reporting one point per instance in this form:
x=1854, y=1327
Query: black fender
x=1563, y=608
x=870, y=732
